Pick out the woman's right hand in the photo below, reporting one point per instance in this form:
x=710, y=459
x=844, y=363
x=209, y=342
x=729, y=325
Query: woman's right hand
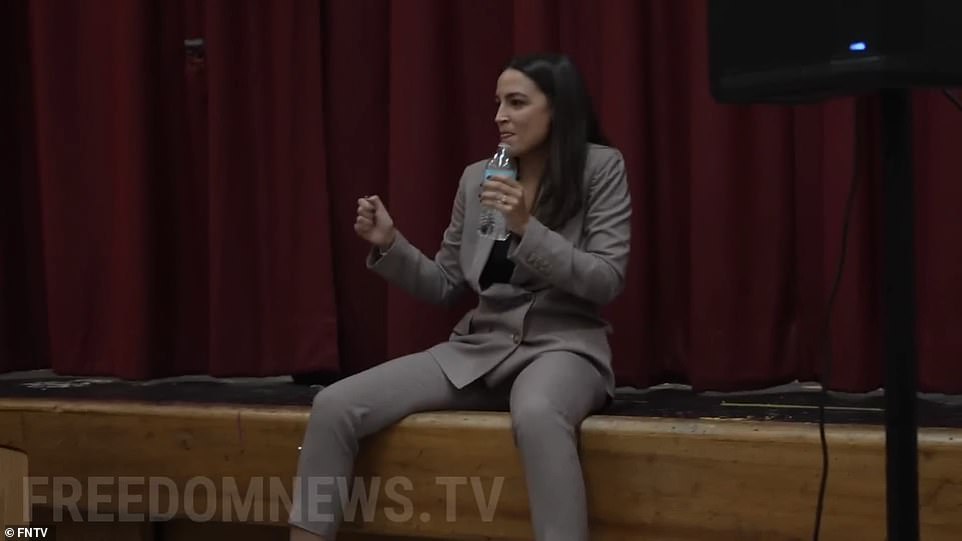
x=373, y=223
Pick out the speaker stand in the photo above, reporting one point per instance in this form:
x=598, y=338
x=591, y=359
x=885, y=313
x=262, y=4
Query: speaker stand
x=898, y=319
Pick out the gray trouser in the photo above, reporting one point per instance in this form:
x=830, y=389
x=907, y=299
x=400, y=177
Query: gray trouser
x=548, y=401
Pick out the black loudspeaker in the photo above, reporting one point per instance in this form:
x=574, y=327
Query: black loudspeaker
x=806, y=50
x=796, y=51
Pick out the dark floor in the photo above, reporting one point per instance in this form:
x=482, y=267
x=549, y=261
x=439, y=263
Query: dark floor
x=792, y=402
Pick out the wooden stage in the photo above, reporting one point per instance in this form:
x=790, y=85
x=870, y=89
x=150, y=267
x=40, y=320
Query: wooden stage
x=215, y=459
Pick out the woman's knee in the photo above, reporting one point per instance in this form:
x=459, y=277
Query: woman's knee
x=331, y=407
x=537, y=414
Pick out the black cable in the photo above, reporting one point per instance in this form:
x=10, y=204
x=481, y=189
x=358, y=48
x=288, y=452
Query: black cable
x=952, y=98
x=826, y=335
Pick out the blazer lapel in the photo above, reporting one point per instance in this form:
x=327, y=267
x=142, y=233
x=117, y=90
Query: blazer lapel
x=521, y=276
x=482, y=249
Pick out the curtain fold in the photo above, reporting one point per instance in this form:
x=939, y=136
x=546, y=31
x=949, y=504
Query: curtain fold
x=23, y=321
x=270, y=275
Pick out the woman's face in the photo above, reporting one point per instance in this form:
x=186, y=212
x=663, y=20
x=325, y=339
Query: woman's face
x=524, y=114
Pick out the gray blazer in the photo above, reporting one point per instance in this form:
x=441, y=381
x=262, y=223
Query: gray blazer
x=560, y=282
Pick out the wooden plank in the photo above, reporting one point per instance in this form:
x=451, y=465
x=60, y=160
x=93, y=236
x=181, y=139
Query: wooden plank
x=70, y=530
x=13, y=471
x=648, y=478
x=176, y=530
x=100, y=531
x=184, y=530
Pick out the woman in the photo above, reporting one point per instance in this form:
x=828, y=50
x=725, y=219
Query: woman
x=536, y=336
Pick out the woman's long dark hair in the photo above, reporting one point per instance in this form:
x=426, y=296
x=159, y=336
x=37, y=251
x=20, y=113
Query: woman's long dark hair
x=573, y=125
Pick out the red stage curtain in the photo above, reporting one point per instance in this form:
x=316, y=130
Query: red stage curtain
x=23, y=321
x=173, y=215
x=183, y=204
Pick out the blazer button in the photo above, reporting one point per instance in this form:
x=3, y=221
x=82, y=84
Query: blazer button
x=516, y=338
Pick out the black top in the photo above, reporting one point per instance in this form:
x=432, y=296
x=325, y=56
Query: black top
x=498, y=269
